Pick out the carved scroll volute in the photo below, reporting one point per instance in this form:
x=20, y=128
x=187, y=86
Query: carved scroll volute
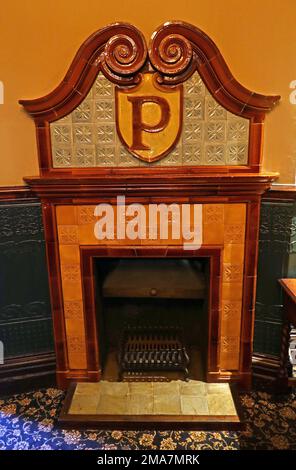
x=123, y=57
x=172, y=56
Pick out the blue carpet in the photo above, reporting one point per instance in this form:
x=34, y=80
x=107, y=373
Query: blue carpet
x=28, y=421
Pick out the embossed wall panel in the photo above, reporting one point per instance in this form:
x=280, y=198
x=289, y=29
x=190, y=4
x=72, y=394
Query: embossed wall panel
x=25, y=314
x=276, y=260
x=211, y=135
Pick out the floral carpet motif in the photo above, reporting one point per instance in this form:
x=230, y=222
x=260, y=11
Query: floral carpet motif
x=28, y=421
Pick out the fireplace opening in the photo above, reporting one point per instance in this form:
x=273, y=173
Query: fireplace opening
x=152, y=317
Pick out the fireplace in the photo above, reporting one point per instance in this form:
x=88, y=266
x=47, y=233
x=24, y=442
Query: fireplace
x=159, y=126
x=152, y=318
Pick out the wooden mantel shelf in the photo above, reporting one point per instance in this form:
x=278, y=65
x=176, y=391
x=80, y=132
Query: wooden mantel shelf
x=145, y=183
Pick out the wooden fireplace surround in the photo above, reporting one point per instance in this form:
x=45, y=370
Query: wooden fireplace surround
x=176, y=50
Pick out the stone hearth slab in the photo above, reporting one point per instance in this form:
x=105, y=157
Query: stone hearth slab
x=129, y=404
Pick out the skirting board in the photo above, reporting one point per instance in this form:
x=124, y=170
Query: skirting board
x=27, y=373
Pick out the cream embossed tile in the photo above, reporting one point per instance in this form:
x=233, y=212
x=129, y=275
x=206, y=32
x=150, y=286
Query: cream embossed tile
x=140, y=404
x=193, y=388
x=166, y=405
x=220, y=404
x=85, y=404
x=116, y=389
x=166, y=388
x=194, y=405
x=217, y=388
x=112, y=405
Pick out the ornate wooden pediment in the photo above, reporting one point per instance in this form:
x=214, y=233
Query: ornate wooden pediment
x=171, y=103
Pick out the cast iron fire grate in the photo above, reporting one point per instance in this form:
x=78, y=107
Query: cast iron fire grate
x=151, y=348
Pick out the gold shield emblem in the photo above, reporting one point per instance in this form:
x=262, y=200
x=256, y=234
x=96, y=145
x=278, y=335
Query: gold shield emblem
x=149, y=118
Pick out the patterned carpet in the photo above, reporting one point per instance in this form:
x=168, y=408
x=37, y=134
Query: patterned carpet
x=28, y=421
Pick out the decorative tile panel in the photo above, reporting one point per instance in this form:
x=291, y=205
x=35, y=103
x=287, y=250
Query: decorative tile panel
x=211, y=135
x=73, y=310
x=61, y=135
x=83, y=133
x=83, y=113
x=223, y=225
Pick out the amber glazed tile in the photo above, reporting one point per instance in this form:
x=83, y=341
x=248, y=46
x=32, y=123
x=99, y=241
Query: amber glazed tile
x=66, y=215
x=234, y=253
x=69, y=254
x=234, y=213
x=223, y=224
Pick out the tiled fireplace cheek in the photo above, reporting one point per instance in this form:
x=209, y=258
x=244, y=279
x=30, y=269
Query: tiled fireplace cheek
x=224, y=226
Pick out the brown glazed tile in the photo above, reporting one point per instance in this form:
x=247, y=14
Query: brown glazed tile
x=230, y=103
x=209, y=77
x=120, y=251
x=154, y=251
x=218, y=65
x=250, y=290
x=216, y=292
